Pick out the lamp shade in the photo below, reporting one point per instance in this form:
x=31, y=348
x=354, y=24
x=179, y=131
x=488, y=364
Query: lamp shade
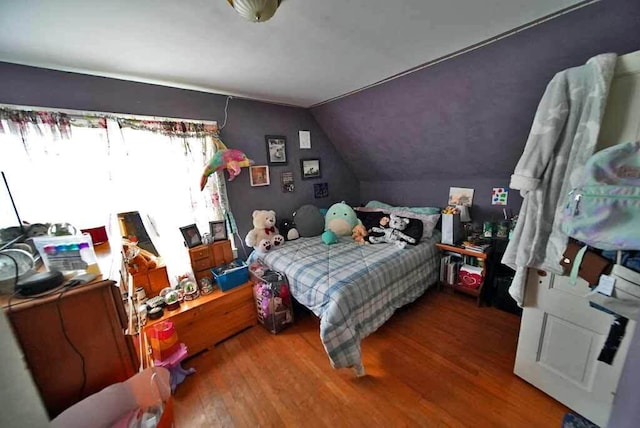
x=465, y=217
x=255, y=10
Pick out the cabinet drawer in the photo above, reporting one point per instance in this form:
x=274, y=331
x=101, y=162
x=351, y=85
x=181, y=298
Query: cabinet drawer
x=201, y=264
x=207, y=331
x=199, y=253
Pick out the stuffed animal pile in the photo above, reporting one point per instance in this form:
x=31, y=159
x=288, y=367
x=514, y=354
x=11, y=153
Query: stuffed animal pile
x=264, y=234
x=390, y=231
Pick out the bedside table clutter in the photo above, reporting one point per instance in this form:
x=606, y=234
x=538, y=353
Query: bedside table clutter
x=463, y=270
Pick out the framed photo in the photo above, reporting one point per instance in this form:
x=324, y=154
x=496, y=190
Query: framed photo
x=310, y=168
x=276, y=149
x=191, y=235
x=460, y=196
x=218, y=230
x=259, y=175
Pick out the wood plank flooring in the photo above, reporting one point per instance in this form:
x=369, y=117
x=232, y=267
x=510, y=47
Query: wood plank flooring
x=440, y=362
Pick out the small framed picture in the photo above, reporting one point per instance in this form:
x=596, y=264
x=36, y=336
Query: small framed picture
x=259, y=175
x=276, y=149
x=218, y=230
x=310, y=168
x=191, y=235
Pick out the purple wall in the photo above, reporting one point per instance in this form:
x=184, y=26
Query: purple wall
x=248, y=123
x=464, y=122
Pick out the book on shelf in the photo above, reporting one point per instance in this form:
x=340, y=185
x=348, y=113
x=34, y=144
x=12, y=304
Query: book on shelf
x=479, y=248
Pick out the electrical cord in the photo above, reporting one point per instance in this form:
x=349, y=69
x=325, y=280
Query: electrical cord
x=66, y=336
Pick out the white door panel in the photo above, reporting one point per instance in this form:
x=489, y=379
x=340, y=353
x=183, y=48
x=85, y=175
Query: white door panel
x=559, y=346
x=560, y=335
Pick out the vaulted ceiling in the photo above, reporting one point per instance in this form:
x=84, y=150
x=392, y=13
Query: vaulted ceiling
x=309, y=52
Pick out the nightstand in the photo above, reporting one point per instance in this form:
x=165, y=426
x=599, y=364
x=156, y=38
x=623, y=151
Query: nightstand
x=457, y=258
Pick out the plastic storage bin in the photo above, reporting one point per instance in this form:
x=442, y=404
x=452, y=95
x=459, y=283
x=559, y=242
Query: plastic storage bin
x=273, y=301
x=232, y=275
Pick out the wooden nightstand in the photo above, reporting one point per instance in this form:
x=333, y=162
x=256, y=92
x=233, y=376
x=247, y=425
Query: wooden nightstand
x=463, y=256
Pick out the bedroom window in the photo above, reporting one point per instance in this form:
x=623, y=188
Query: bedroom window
x=87, y=169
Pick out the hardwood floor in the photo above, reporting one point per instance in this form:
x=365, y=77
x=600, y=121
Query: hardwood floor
x=440, y=362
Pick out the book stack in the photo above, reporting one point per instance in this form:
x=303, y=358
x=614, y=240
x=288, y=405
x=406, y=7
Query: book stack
x=479, y=247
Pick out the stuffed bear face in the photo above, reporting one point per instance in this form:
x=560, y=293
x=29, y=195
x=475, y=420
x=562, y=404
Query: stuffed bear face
x=398, y=223
x=264, y=219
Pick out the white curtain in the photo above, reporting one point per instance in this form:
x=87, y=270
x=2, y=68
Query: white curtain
x=97, y=172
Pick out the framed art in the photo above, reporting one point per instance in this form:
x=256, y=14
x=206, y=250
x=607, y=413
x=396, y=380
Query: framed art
x=191, y=235
x=321, y=190
x=286, y=179
x=310, y=168
x=259, y=175
x=218, y=230
x=276, y=149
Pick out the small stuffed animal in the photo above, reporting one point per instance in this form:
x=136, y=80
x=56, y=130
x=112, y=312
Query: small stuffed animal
x=264, y=234
x=392, y=233
x=288, y=229
x=359, y=234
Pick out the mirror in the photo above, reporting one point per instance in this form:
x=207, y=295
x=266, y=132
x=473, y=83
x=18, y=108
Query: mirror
x=131, y=225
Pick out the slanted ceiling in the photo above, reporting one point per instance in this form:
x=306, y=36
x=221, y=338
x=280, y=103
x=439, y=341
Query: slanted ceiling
x=469, y=117
x=310, y=51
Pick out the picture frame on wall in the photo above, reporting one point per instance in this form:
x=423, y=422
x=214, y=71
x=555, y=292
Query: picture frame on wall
x=310, y=168
x=218, y=230
x=276, y=149
x=191, y=235
x=259, y=175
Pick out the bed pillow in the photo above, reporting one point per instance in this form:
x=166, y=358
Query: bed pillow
x=309, y=221
x=417, y=210
x=429, y=221
x=414, y=229
x=370, y=219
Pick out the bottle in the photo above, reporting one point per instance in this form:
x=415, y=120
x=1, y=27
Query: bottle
x=89, y=257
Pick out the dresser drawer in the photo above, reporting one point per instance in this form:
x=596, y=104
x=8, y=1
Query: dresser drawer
x=207, y=331
x=199, y=253
x=201, y=264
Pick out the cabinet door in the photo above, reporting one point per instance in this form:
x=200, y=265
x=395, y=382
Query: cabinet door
x=73, y=344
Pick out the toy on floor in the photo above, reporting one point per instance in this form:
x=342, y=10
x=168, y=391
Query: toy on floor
x=231, y=159
x=264, y=235
x=392, y=232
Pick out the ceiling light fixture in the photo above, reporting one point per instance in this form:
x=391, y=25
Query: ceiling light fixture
x=255, y=10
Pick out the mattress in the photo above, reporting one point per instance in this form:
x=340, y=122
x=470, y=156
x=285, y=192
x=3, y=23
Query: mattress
x=354, y=288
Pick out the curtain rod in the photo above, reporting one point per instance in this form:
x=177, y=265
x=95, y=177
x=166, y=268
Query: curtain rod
x=462, y=51
x=106, y=114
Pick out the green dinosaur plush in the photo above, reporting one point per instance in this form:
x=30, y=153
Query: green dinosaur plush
x=341, y=219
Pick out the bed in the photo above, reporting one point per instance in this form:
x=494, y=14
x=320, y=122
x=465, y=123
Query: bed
x=354, y=288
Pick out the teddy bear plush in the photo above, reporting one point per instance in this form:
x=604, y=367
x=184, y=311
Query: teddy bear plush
x=359, y=234
x=264, y=234
x=391, y=231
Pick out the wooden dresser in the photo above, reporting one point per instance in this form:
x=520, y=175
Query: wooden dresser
x=206, y=256
x=92, y=317
x=209, y=319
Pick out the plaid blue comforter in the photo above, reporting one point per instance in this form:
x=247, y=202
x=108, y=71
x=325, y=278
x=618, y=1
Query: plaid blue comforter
x=353, y=288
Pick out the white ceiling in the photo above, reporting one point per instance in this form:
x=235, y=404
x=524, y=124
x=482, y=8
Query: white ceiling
x=309, y=52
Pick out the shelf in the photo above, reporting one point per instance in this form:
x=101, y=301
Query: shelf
x=470, y=291
x=461, y=250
